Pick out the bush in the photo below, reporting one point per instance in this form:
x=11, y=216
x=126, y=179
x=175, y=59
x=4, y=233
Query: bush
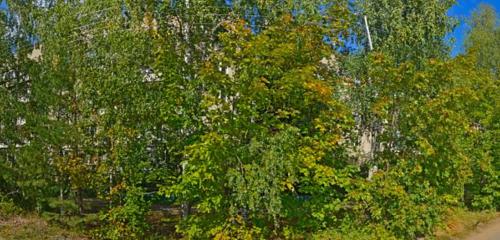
x=8, y=209
x=405, y=212
x=127, y=221
x=369, y=232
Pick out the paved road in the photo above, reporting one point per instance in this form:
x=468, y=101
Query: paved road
x=490, y=231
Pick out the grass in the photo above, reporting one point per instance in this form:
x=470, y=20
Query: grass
x=461, y=222
x=29, y=227
x=14, y=225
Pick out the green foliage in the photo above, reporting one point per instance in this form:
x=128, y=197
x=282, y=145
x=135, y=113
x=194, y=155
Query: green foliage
x=68, y=207
x=243, y=121
x=483, y=39
x=273, y=135
x=127, y=221
x=371, y=232
x=429, y=152
x=8, y=209
x=408, y=30
x=405, y=211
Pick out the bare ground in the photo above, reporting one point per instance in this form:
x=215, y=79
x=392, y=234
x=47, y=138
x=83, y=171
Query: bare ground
x=490, y=231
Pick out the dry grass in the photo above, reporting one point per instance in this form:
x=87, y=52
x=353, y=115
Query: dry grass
x=460, y=222
x=33, y=227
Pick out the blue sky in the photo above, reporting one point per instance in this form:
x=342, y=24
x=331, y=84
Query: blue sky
x=461, y=10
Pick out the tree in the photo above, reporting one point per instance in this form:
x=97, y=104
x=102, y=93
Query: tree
x=272, y=136
x=482, y=47
x=408, y=30
x=247, y=116
x=483, y=40
x=25, y=164
x=405, y=31
x=432, y=143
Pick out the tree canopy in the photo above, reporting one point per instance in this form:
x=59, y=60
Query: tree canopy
x=247, y=119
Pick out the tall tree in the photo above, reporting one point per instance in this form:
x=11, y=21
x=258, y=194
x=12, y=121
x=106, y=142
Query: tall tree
x=28, y=164
x=483, y=40
x=272, y=135
x=405, y=31
x=408, y=30
x=482, y=52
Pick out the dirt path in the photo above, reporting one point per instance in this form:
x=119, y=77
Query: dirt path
x=490, y=231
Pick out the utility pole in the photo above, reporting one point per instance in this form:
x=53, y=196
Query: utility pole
x=369, y=135
x=370, y=44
